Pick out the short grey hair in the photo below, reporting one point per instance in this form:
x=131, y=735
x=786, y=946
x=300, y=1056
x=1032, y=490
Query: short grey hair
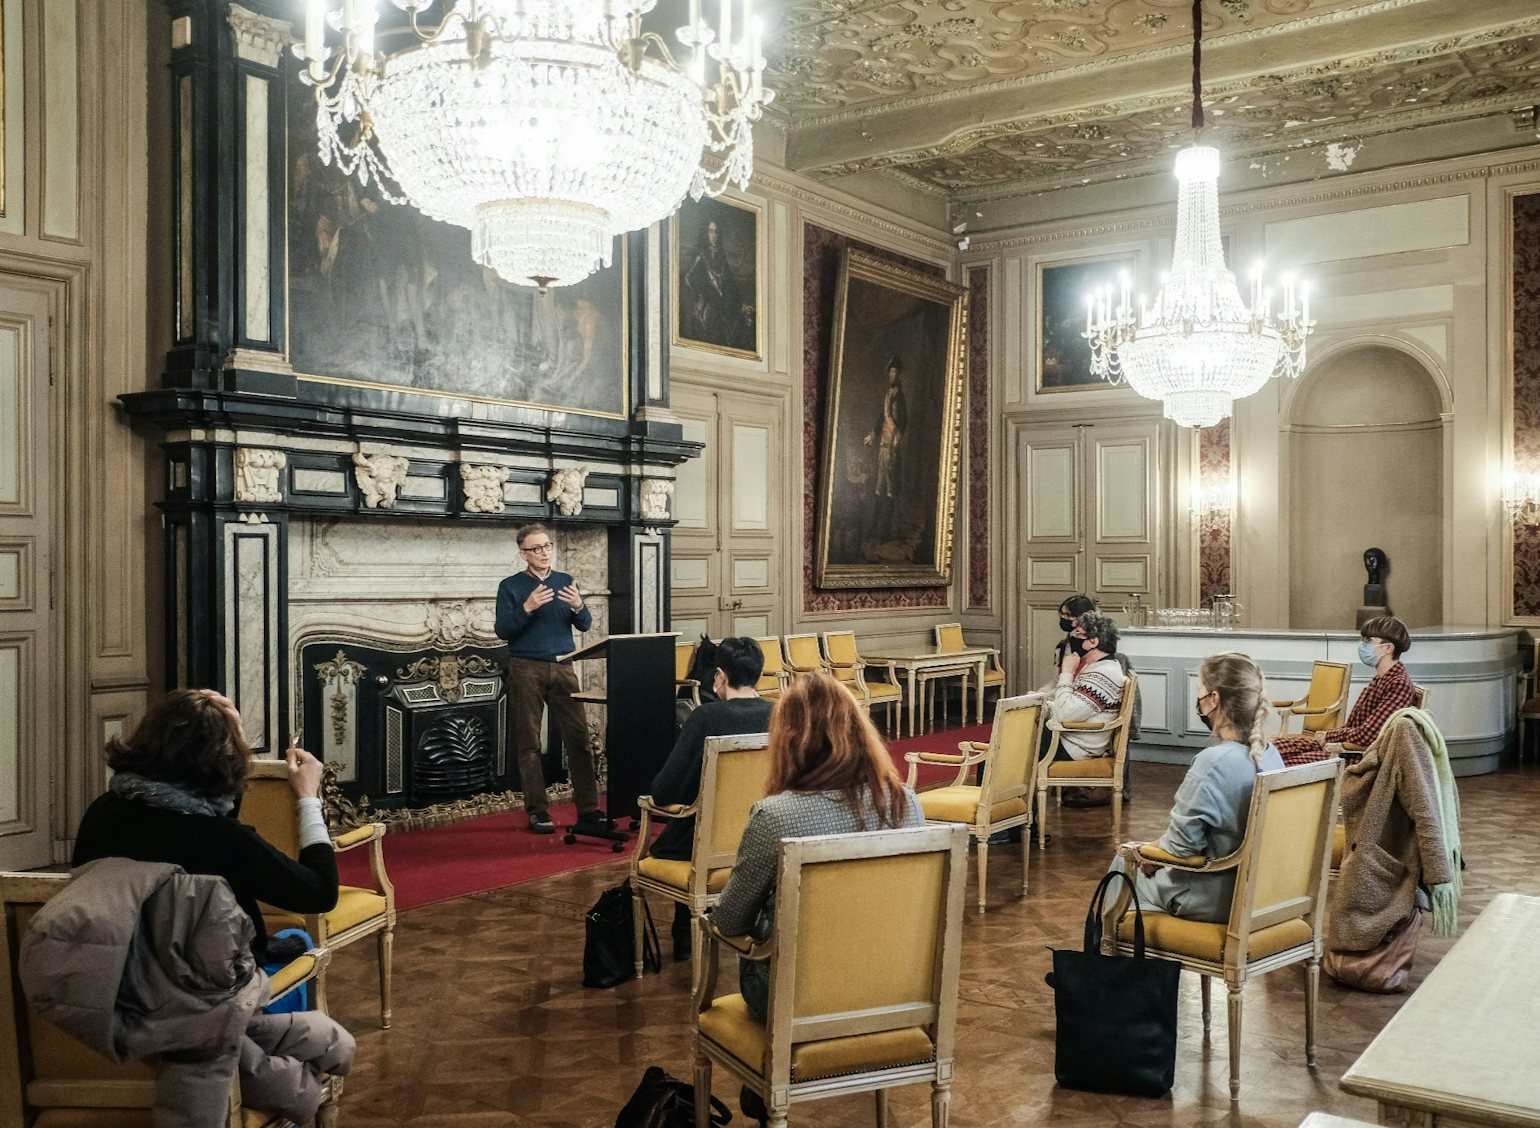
x=1100, y=627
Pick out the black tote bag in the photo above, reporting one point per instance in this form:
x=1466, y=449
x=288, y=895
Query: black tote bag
x=1116, y=1016
x=609, y=940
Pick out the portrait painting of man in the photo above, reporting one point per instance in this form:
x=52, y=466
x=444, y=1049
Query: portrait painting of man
x=890, y=441
x=1063, y=353
x=716, y=276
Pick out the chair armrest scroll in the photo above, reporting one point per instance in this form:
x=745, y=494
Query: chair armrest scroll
x=667, y=810
x=1087, y=726
x=358, y=836
x=1149, y=852
x=1288, y=703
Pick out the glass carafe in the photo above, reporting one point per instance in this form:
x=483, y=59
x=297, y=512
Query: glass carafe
x=1137, y=610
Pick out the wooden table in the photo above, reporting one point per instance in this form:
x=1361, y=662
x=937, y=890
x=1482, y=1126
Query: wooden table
x=972, y=660
x=1465, y=1047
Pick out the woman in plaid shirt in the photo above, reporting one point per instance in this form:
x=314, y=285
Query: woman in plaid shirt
x=1384, y=640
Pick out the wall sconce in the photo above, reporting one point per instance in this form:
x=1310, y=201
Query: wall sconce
x=1521, y=497
x=1213, y=500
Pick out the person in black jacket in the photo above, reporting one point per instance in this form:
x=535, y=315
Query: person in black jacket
x=738, y=709
x=174, y=795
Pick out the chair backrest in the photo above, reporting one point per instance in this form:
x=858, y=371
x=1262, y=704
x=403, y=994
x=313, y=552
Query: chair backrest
x=1011, y=768
x=733, y=775
x=841, y=898
x=949, y=638
x=1286, y=851
x=802, y=652
x=1328, y=686
x=842, y=659
x=1121, y=735
x=269, y=805
x=1420, y=695
x=684, y=658
x=41, y=1067
x=770, y=676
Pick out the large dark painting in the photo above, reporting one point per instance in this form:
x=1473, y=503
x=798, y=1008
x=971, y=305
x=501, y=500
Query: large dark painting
x=891, y=425
x=381, y=295
x=717, y=277
x=1063, y=353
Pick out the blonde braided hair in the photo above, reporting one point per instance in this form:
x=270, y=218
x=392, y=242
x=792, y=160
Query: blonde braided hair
x=1238, y=682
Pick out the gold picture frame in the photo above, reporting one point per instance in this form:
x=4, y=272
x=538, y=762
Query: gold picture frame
x=891, y=427
x=1062, y=356
x=716, y=288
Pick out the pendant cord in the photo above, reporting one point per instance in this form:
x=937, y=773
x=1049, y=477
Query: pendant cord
x=1197, y=64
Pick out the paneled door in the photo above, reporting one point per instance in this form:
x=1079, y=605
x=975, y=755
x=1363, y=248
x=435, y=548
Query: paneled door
x=1089, y=519
x=27, y=622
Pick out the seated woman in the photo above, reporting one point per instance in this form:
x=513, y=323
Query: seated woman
x=829, y=774
x=1208, y=817
x=1089, y=688
x=176, y=786
x=1383, y=641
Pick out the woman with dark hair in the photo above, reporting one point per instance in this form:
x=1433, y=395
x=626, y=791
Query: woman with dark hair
x=176, y=785
x=1069, y=615
x=829, y=774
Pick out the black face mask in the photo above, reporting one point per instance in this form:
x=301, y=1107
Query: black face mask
x=1208, y=721
x=1066, y=625
x=1080, y=645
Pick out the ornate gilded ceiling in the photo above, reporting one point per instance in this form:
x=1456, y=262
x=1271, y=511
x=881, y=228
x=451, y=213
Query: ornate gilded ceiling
x=980, y=97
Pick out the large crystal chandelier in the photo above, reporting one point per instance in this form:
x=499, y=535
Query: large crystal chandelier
x=546, y=127
x=1197, y=348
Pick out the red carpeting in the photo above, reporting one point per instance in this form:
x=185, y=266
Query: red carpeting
x=490, y=852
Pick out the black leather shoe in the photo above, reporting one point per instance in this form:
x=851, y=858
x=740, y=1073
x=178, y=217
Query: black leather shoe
x=540, y=823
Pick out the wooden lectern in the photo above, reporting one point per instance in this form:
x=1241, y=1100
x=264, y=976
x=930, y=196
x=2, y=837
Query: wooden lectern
x=639, y=711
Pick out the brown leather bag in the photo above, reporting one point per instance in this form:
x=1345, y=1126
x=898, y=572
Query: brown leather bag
x=1384, y=968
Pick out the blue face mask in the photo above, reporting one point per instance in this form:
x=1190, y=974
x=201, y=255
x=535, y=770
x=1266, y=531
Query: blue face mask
x=1366, y=654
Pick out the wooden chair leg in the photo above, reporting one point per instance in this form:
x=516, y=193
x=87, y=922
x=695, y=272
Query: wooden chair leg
x=638, y=911
x=387, y=946
x=940, y=1103
x=320, y=991
x=1026, y=854
x=1235, y=1042
x=1042, y=816
x=983, y=852
x=702, y=1089
x=1204, y=983
x=881, y=1096
x=1312, y=994
x=1117, y=810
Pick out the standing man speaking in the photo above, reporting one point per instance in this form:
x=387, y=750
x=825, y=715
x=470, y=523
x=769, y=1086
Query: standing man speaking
x=536, y=611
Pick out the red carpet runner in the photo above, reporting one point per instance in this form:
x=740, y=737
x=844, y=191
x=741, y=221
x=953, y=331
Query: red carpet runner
x=497, y=850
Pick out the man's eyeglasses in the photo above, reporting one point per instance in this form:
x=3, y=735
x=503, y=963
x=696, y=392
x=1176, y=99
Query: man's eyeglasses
x=546, y=547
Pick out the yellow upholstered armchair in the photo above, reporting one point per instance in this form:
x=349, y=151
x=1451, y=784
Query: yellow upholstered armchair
x=684, y=684
x=1325, y=703
x=1003, y=798
x=802, y=654
x=844, y=661
x=772, y=678
x=1277, y=914
x=733, y=774
x=49, y=1080
x=1098, y=772
x=270, y=808
x=840, y=1021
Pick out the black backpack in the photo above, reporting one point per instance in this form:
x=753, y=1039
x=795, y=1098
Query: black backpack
x=609, y=947
x=661, y=1101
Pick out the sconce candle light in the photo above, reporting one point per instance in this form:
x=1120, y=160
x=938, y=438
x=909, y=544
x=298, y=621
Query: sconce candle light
x=1521, y=497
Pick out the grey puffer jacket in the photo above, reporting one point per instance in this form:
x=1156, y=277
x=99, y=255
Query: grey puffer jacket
x=141, y=958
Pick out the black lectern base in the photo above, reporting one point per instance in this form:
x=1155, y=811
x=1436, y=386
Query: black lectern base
x=616, y=838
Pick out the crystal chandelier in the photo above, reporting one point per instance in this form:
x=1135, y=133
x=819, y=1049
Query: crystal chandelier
x=546, y=127
x=1198, y=347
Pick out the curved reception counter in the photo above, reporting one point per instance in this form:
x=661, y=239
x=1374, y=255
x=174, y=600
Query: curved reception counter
x=1470, y=674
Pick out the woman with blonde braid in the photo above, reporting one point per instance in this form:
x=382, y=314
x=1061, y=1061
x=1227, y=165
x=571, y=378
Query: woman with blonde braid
x=1208, y=818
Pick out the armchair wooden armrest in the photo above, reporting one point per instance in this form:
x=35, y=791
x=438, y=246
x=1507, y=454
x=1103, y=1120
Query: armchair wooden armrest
x=358, y=836
x=712, y=939
x=1134, y=852
x=647, y=810
x=371, y=835
x=1287, y=702
x=1300, y=710
x=1349, y=747
x=1086, y=726
x=298, y=971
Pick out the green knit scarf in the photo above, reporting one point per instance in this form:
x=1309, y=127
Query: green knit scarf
x=1446, y=896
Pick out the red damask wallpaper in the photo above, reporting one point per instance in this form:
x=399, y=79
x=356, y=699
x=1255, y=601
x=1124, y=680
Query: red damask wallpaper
x=1213, y=528
x=820, y=277
x=1526, y=393
x=976, y=484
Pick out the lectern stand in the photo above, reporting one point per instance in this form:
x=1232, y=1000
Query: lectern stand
x=639, y=711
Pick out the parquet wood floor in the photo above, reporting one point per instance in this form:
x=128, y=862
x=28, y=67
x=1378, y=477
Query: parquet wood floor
x=493, y=1027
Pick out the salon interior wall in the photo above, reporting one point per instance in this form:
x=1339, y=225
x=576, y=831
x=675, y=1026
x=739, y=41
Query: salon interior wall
x=74, y=600
x=1410, y=268
x=738, y=548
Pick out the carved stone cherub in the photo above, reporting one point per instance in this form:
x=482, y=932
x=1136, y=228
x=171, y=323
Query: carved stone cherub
x=566, y=490
x=379, y=476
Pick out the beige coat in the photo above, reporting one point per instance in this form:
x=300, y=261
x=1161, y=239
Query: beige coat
x=1395, y=839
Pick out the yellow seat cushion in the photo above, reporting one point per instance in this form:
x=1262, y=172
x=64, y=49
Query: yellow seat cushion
x=883, y=691
x=1204, y=941
x=675, y=873
x=727, y=1022
x=1098, y=767
x=1338, y=845
x=994, y=677
x=960, y=803
x=354, y=907
x=290, y=974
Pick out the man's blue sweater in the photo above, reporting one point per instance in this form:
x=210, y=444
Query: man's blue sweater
x=545, y=634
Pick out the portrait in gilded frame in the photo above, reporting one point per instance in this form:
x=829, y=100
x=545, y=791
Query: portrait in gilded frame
x=890, y=437
x=1063, y=353
x=381, y=296
x=717, y=276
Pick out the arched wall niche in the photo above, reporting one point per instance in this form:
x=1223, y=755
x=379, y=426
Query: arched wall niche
x=1366, y=468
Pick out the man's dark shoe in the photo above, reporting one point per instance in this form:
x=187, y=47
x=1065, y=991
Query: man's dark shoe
x=594, y=822
x=540, y=823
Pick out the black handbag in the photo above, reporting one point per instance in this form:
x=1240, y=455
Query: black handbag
x=609, y=939
x=1116, y=1016
x=661, y=1101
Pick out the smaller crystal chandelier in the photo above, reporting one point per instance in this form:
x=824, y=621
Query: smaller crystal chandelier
x=546, y=127
x=1198, y=347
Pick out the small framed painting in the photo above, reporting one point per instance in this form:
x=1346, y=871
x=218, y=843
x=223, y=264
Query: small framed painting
x=717, y=277
x=1063, y=353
